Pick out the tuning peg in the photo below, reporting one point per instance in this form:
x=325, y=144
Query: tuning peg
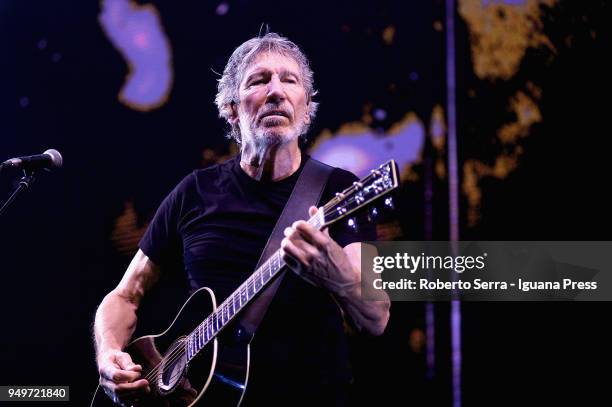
x=372, y=214
x=352, y=223
x=389, y=203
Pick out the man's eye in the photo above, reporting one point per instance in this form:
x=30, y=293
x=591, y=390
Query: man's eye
x=256, y=82
x=290, y=80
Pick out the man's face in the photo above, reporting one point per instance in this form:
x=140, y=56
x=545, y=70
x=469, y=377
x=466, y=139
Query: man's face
x=273, y=103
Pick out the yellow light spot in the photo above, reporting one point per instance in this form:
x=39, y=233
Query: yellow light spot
x=126, y=233
x=409, y=174
x=527, y=114
x=501, y=33
x=388, y=34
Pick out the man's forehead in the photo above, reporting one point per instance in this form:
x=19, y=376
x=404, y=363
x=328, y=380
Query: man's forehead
x=273, y=61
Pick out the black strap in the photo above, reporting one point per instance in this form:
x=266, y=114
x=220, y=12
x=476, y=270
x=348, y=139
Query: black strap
x=306, y=193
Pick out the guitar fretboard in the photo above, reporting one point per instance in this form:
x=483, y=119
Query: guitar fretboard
x=214, y=323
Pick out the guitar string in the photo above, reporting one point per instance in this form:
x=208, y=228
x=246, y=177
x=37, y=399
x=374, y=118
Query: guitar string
x=249, y=283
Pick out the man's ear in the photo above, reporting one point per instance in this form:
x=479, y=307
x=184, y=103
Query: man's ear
x=307, y=112
x=233, y=117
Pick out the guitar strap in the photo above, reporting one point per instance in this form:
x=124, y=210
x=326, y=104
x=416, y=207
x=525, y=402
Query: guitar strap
x=306, y=192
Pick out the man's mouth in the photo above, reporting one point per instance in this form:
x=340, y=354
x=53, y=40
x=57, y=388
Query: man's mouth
x=274, y=113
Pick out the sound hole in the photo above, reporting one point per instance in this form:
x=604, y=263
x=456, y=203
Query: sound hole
x=174, y=367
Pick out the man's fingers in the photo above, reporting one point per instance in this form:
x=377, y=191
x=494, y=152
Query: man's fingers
x=124, y=360
x=118, y=375
x=125, y=392
x=292, y=255
x=309, y=252
x=137, y=387
x=311, y=235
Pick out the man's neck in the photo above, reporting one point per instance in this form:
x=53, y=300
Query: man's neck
x=271, y=163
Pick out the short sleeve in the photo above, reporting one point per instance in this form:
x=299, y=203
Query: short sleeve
x=161, y=241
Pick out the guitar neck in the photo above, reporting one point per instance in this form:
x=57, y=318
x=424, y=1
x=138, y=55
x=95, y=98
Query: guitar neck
x=233, y=304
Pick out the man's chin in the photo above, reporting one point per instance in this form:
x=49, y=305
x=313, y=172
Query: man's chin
x=274, y=136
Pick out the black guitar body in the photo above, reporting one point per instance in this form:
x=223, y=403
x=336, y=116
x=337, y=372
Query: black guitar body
x=216, y=376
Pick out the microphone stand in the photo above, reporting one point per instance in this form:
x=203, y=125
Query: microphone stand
x=24, y=183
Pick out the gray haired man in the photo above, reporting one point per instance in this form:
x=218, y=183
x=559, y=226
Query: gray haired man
x=218, y=220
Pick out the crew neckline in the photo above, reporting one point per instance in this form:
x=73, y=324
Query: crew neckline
x=242, y=174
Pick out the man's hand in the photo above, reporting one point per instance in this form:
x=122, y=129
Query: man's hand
x=120, y=377
x=317, y=258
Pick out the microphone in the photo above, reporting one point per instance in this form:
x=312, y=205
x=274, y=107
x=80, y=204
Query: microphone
x=49, y=159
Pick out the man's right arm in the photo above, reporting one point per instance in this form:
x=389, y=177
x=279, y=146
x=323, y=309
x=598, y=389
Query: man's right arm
x=114, y=325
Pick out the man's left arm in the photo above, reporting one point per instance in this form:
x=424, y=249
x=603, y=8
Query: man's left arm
x=317, y=258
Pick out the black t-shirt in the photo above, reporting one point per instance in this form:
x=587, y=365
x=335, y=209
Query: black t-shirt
x=218, y=221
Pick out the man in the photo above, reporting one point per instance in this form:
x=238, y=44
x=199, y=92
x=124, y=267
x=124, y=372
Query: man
x=218, y=219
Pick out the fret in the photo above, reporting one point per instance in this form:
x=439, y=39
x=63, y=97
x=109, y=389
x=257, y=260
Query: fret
x=275, y=263
x=249, y=289
x=272, y=268
x=243, y=295
x=256, y=283
x=231, y=310
x=277, y=260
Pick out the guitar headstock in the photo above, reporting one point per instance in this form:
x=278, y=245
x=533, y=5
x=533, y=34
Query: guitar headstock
x=362, y=193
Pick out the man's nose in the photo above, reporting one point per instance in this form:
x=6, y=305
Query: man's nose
x=276, y=90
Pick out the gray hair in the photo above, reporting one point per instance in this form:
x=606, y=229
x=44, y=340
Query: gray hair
x=242, y=57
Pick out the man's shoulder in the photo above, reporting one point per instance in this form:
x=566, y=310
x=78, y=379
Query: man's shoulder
x=337, y=174
x=340, y=176
x=215, y=169
x=203, y=176
x=339, y=179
